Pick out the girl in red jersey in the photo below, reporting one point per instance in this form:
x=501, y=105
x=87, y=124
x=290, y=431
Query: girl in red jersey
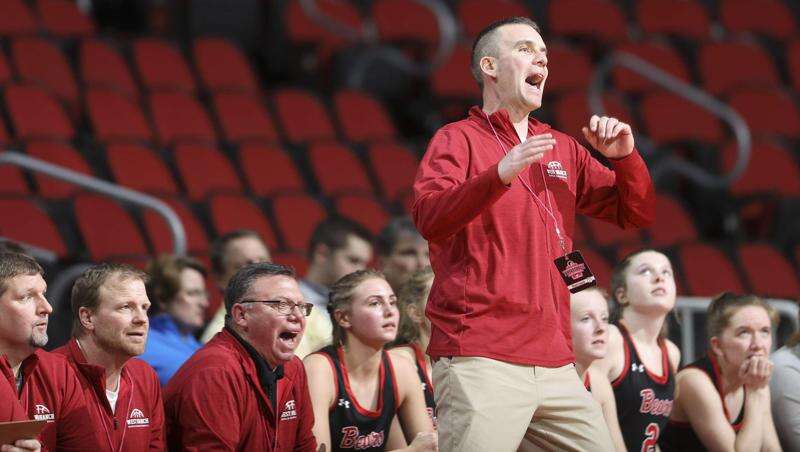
x=589, y=315
x=415, y=332
x=356, y=388
x=641, y=363
x=723, y=398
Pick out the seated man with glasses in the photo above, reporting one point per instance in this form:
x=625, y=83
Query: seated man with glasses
x=245, y=389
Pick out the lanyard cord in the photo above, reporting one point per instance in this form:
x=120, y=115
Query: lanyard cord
x=548, y=207
x=114, y=415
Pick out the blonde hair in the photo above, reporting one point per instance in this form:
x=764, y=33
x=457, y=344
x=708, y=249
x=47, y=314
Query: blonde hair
x=725, y=305
x=340, y=298
x=413, y=293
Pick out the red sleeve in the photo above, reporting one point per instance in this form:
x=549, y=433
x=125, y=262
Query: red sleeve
x=74, y=432
x=207, y=415
x=305, y=437
x=445, y=199
x=157, y=426
x=624, y=196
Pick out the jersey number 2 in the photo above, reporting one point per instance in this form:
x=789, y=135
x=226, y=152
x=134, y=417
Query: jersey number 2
x=651, y=431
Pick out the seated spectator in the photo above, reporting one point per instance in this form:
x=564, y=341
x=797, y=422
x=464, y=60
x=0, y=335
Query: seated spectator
x=337, y=247
x=589, y=314
x=415, y=332
x=357, y=389
x=245, y=389
x=109, y=310
x=785, y=391
x=45, y=384
x=401, y=251
x=177, y=289
x=723, y=399
x=229, y=253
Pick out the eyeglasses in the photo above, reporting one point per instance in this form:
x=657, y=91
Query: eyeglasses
x=285, y=307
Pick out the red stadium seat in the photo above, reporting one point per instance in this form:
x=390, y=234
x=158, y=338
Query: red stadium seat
x=269, y=170
x=418, y=25
x=179, y=117
x=657, y=53
x=668, y=118
x=684, y=18
x=243, y=118
x=304, y=31
x=769, y=273
x=231, y=212
x=606, y=234
x=364, y=210
x=5, y=70
x=771, y=169
x=23, y=220
x=767, y=111
x=363, y=118
x=673, y=224
x=12, y=182
x=296, y=216
x=721, y=67
x=161, y=66
x=599, y=266
x=580, y=18
x=453, y=78
x=571, y=111
x=62, y=19
x=62, y=155
x=16, y=19
x=107, y=229
x=770, y=18
x=475, y=15
x=102, y=66
x=40, y=62
x=337, y=169
x=161, y=237
x=394, y=167
x=138, y=168
x=295, y=260
x=569, y=68
x=221, y=66
x=34, y=114
x=205, y=171
x=115, y=117
x=708, y=271
x=302, y=116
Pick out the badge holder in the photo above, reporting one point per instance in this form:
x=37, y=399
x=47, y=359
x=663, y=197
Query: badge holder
x=575, y=272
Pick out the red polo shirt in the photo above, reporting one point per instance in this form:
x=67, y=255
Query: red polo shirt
x=137, y=423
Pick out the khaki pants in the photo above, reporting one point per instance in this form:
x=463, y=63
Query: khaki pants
x=485, y=405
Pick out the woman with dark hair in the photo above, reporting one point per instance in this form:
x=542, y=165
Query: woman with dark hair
x=415, y=332
x=356, y=388
x=723, y=399
x=177, y=291
x=641, y=362
x=785, y=391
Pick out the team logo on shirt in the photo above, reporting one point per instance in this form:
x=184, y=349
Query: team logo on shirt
x=654, y=406
x=554, y=169
x=637, y=368
x=137, y=419
x=352, y=439
x=344, y=403
x=42, y=413
x=289, y=411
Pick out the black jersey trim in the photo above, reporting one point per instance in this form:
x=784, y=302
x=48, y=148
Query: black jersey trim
x=381, y=381
x=666, y=367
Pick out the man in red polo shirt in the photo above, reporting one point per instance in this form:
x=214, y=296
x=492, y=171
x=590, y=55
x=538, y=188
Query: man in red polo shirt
x=11, y=410
x=45, y=385
x=245, y=389
x=109, y=309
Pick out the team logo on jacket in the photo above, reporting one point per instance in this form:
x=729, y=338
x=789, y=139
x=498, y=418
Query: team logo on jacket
x=289, y=411
x=137, y=419
x=654, y=406
x=42, y=413
x=554, y=169
x=352, y=439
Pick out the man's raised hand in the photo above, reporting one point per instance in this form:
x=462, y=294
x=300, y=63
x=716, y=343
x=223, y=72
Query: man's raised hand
x=610, y=136
x=523, y=155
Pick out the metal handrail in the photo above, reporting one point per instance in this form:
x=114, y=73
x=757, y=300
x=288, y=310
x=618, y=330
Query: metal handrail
x=334, y=26
x=688, y=306
x=104, y=188
x=671, y=163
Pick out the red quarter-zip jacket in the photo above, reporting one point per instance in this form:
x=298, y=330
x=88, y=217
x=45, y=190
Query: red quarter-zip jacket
x=497, y=293
x=215, y=403
x=10, y=408
x=137, y=423
x=51, y=391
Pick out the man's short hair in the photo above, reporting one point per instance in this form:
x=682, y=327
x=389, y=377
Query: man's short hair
x=220, y=246
x=333, y=233
x=86, y=290
x=16, y=264
x=244, y=278
x=389, y=236
x=486, y=45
